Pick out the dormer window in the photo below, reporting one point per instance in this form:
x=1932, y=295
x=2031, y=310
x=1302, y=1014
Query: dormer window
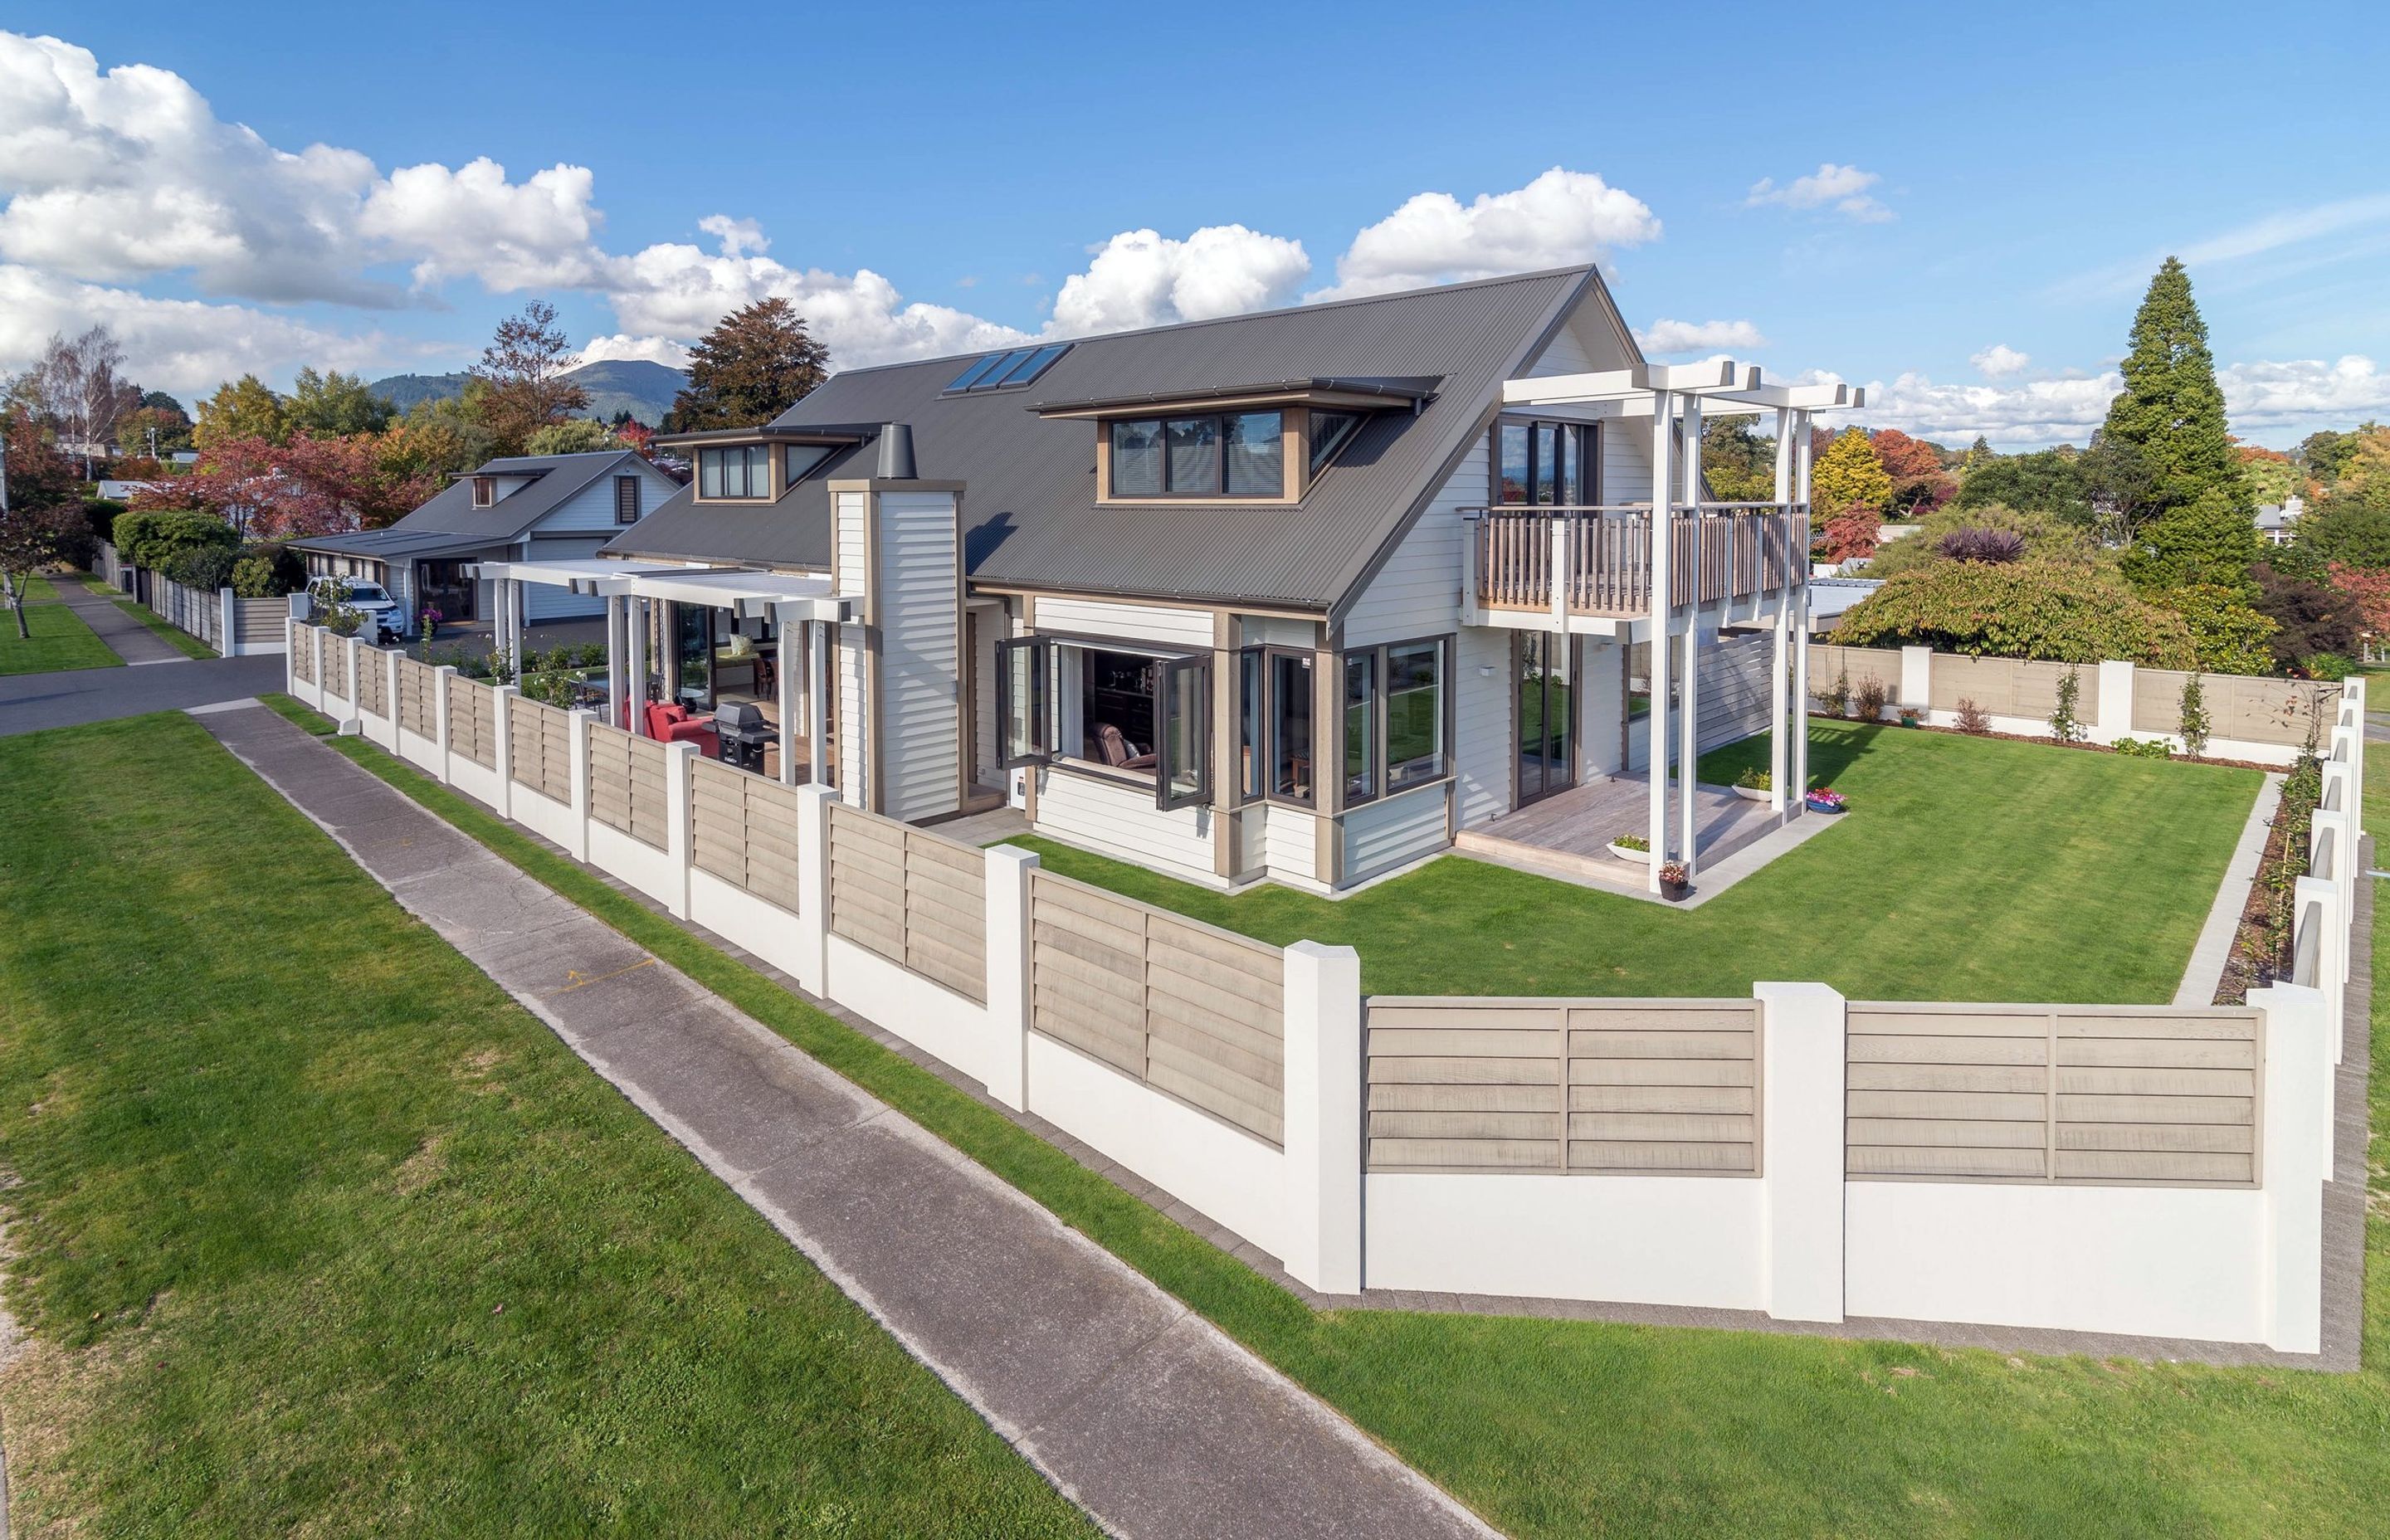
x=801, y=458
x=1231, y=454
x=485, y=491
x=740, y=472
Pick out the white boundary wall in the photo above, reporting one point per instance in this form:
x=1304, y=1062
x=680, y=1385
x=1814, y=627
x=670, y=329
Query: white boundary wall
x=1797, y=1239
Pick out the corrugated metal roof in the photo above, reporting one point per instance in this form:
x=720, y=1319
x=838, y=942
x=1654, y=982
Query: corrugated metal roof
x=1030, y=510
x=450, y=512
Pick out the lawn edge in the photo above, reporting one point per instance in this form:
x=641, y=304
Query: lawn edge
x=181, y=641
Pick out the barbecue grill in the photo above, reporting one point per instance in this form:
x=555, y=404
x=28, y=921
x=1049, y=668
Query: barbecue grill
x=743, y=732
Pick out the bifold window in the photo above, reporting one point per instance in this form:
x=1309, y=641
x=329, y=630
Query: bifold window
x=1396, y=731
x=1545, y=462
x=742, y=470
x=1098, y=707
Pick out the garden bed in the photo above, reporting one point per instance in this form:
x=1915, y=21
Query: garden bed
x=2262, y=943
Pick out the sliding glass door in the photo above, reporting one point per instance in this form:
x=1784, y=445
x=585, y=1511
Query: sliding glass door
x=1547, y=715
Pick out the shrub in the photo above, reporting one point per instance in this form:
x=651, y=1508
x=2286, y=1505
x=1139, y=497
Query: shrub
x=153, y=540
x=100, y=513
x=2065, y=724
x=588, y=655
x=2311, y=617
x=208, y=567
x=1755, y=779
x=2070, y=613
x=1972, y=718
x=1836, y=698
x=2192, y=724
x=2333, y=666
x=1631, y=841
x=2144, y=748
x=1974, y=543
x=2229, y=636
x=1869, y=700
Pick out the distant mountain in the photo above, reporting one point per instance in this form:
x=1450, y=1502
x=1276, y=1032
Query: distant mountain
x=632, y=385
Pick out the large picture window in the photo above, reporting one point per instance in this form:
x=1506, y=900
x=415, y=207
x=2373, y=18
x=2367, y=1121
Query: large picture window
x=1125, y=716
x=1395, y=733
x=741, y=471
x=1234, y=454
x=1544, y=463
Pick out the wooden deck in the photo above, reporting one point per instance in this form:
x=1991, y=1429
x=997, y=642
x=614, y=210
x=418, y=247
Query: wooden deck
x=1568, y=834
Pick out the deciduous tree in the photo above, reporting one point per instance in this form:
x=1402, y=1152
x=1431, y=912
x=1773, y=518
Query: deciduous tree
x=79, y=395
x=2046, y=481
x=573, y=436
x=334, y=405
x=1738, y=461
x=2067, y=611
x=756, y=363
x=1848, y=476
x=243, y=408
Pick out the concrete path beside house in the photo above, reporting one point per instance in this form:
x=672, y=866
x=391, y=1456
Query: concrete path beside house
x=1134, y=1406
x=125, y=636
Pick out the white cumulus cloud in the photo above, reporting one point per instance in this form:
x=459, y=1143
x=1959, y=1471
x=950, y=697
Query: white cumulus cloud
x=1560, y=218
x=473, y=222
x=1998, y=361
x=654, y=350
x=2291, y=398
x=1667, y=336
x=1144, y=278
x=1844, y=188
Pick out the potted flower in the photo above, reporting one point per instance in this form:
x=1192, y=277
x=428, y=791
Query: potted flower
x=1675, y=883
x=1754, y=785
x=1910, y=717
x=1824, y=799
x=1632, y=847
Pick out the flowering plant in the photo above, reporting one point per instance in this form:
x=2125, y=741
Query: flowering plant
x=1631, y=841
x=1674, y=872
x=1825, y=799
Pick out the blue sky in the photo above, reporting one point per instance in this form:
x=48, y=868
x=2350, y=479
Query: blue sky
x=1887, y=194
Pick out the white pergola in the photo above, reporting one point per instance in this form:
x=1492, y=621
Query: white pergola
x=798, y=604
x=1672, y=395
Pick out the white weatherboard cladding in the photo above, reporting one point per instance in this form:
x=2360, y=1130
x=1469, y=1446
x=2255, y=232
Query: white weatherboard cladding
x=549, y=602
x=920, y=654
x=1382, y=835
x=854, y=701
x=1162, y=626
x=1289, y=842
x=591, y=511
x=1121, y=818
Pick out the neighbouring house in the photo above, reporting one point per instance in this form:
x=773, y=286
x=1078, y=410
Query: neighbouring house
x=1298, y=596
x=525, y=508
x=2279, y=523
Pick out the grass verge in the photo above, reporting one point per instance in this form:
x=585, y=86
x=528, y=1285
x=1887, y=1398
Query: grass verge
x=1967, y=870
x=181, y=641
x=1558, y=1429
x=60, y=638
x=318, y=1232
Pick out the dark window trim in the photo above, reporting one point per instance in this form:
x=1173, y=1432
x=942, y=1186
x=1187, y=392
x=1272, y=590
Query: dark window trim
x=746, y=452
x=1271, y=653
x=1044, y=704
x=1588, y=475
x=1382, y=762
x=1171, y=494
x=637, y=487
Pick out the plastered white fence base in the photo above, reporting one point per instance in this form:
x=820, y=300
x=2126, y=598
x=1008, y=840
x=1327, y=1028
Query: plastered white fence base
x=1798, y=1240
x=1681, y=1240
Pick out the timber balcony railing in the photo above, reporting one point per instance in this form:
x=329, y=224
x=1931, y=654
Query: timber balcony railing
x=1717, y=551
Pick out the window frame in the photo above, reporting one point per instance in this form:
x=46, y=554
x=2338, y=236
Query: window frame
x=637, y=486
x=1261, y=765
x=1378, y=752
x=485, y=492
x=1586, y=459
x=1220, y=493
x=1043, y=725
x=748, y=454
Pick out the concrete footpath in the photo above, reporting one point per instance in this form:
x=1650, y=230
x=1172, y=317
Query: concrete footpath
x=1137, y=1410
x=124, y=634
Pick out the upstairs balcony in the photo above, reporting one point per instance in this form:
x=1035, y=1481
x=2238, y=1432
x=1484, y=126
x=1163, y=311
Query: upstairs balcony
x=1540, y=566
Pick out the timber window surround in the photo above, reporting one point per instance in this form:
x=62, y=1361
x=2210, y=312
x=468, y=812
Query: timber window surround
x=1110, y=710
x=485, y=491
x=1227, y=455
x=627, y=499
x=741, y=471
x=1549, y=463
x=1397, y=727
x=1274, y=728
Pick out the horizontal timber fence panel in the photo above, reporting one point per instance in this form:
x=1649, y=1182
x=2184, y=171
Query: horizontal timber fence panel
x=917, y=899
x=2003, y=687
x=373, y=681
x=1648, y=1087
x=743, y=830
x=626, y=784
x=539, y=751
x=302, y=653
x=2066, y=1093
x=1859, y=664
x=474, y=722
x=257, y=624
x=2242, y=707
x=417, y=688
x=1189, y=1009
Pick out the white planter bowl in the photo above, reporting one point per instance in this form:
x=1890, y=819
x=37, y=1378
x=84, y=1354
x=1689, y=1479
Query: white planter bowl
x=1640, y=857
x=1752, y=793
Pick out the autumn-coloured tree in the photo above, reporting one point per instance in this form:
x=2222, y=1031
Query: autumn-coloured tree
x=2369, y=589
x=308, y=486
x=1850, y=534
x=1848, y=476
x=32, y=536
x=756, y=363
x=2268, y=473
x=525, y=368
x=1903, y=456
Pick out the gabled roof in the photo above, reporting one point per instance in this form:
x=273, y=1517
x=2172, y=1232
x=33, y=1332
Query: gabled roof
x=1030, y=513
x=451, y=515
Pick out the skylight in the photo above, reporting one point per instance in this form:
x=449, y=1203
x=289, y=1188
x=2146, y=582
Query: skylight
x=1005, y=371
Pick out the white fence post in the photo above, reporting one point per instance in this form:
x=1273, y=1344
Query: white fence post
x=1323, y=1117
x=227, y=609
x=1803, y=1055
x=289, y=657
x=2114, y=721
x=388, y=665
x=2294, y=1163
x=353, y=655
x=502, y=698
x=440, y=678
x=2315, y=903
x=1007, y=973
x=678, y=813
x=812, y=887
x=576, y=729
x=1916, y=677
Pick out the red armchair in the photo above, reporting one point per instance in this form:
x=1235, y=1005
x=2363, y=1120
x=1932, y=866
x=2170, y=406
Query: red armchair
x=669, y=723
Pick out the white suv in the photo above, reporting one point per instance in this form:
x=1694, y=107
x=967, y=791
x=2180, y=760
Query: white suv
x=383, y=621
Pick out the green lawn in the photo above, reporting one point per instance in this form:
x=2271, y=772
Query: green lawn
x=181, y=641
x=1556, y=1430
x=60, y=638
x=1968, y=869
x=317, y=1233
